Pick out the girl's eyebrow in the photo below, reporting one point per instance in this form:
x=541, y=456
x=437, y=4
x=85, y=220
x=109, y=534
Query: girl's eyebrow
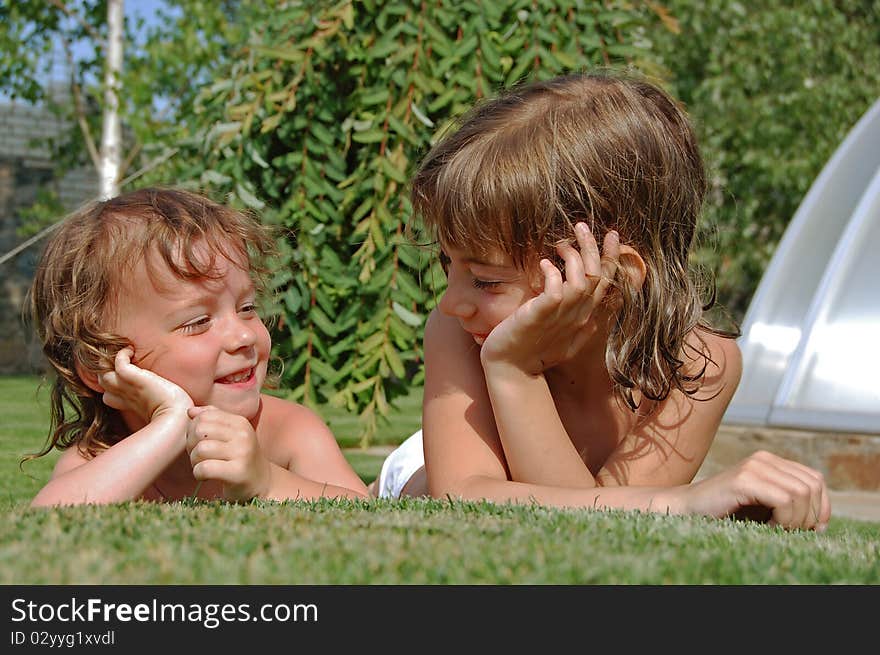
x=486, y=263
x=477, y=259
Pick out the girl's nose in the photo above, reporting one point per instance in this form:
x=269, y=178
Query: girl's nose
x=241, y=334
x=456, y=304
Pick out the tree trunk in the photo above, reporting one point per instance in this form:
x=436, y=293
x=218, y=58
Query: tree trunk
x=111, y=132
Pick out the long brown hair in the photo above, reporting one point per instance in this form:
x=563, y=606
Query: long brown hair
x=609, y=149
x=81, y=271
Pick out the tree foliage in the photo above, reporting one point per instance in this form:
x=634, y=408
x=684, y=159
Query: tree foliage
x=318, y=124
x=315, y=114
x=37, y=40
x=52, y=53
x=773, y=89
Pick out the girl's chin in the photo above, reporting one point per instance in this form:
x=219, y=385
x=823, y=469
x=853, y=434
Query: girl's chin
x=247, y=407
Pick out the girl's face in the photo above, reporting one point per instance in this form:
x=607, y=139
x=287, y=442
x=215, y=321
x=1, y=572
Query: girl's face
x=204, y=335
x=482, y=291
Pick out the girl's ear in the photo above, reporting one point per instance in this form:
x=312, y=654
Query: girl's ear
x=89, y=378
x=633, y=265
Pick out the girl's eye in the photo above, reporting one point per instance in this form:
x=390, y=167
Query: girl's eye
x=198, y=325
x=485, y=284
x=248, y=308
x=444, y=262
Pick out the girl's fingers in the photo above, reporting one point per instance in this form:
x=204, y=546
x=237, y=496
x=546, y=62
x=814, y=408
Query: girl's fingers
x=207, y=449
x=198, y=428
x=211, y=423
x=805, y=507
x=552, y=281
x=589, y=250
x=821, y=503
x=112, y=400
x=194, y=411
x=209, y=469
x=588, y=264
x=225, y=471
x=123, y=358
x=806, y=494
x=575, y=277
x=108, y=380
x=599, y=269
x=793, y=493
x=128, y=370
x=610, y=259
x=197, y=434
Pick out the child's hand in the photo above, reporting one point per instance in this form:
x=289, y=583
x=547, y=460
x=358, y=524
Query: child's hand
x=224, y=447
x=766, y=487
x=549, y=329
x=131, y=388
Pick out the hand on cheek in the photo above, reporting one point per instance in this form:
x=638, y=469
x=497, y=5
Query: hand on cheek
x=131, y=388
x=549, y=329
x=224, y=447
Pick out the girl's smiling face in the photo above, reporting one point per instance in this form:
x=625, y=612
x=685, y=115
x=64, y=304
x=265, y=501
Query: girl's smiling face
x=202, y=334
x=483, y=290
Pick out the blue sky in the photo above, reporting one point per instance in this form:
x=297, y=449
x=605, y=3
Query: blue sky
x=143, y=8
x=146, y=9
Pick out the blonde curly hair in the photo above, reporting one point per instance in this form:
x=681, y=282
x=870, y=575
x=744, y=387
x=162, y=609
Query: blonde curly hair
x=81, y=271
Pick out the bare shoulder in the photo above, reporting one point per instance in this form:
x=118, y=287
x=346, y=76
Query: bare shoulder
x=444, y=333
x=70, y=459
x=297, y=439
x=452, y=362
x=287, y=429
x=722, y=359
x=669, y=448
x=278, y=408
x=449, y=349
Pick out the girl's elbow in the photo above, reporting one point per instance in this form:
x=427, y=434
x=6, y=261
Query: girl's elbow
x=41, y=501
x=469, y=488
x=356, y=494
x=45, y=498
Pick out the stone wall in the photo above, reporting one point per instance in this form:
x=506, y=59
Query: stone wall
x=25, y=167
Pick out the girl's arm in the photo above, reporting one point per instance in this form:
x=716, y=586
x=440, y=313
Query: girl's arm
x=790, y=494
x=125, y=470
x=291, y=455
x=464, y=456
x=460, y=439
x=122, y=472
x=547, y=330
x=537, y=447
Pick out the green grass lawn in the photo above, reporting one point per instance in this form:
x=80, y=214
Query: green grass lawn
x=382, y=542
x=24, y=421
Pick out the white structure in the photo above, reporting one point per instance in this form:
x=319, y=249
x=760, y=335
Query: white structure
x=811, y=336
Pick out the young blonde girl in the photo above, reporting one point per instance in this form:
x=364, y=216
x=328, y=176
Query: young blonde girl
x=559, y=374
x=145, y=305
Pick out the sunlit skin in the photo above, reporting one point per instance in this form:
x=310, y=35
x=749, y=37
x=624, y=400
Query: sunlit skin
x=206, y=336
x=519, y=405
x=189, y=392
x=482, y=290
x=487, y=291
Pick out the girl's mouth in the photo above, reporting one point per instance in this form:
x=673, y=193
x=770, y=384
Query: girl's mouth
x=238, y=378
